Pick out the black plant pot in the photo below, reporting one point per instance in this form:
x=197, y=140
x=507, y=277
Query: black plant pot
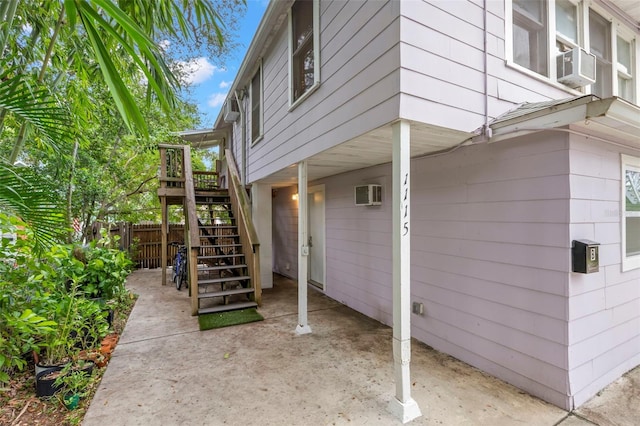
x=45, y=382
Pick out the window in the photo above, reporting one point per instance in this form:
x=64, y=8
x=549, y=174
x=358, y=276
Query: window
x=304, y=30
x=624, y=67
x=631, y=212
x=566, y=25
x=533, y=27
x=530, y=35
x=600, y=45
x=256, y=106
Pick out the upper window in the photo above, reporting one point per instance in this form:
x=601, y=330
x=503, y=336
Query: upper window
x=631, y=212
x=600, y=45
x=535, y=27
x=304, y=48
x=530, y=35
x=256, y=106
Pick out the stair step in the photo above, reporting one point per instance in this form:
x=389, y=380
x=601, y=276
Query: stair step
x=221, y=245
x=213, y=202
x=229, y=307
x=221, y=256
x=221, y=268
x=223, y=280
x=219, y=236
x=225, y=293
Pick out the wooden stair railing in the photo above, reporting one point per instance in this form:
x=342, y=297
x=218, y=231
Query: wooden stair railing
x=191, y=223
x=246, y=230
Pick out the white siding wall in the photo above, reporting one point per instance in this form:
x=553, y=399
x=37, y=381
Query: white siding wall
x=490, y=256
x=360, y=61
x=604, y=309
x=442, y=77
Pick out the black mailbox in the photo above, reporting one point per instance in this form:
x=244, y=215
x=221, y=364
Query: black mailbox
x=584, y=256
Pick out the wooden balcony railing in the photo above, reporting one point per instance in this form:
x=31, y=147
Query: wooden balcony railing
x=205, y=181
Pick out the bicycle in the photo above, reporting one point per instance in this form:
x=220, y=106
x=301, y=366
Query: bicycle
x=179, y=267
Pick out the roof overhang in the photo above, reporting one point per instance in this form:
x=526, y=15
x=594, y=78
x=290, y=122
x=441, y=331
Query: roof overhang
x=613, y=118
x=204, y=138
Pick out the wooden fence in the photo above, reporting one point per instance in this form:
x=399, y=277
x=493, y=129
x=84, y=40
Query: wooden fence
x=144, y=242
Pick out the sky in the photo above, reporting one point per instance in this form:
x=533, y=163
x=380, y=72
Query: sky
x=209, y=82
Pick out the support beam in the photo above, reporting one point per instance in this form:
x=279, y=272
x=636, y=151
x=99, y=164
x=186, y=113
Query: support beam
x=303, y=249
x=402, y=406
x=261, y=215
x=164, y=229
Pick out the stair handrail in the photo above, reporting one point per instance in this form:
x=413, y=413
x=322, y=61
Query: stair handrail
x=246, y=229
x=191, y=221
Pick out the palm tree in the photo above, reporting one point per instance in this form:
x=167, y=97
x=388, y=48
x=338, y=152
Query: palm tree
x=114, y=37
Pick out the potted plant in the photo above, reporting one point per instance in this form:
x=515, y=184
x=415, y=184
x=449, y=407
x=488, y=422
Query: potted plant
x=73, y=381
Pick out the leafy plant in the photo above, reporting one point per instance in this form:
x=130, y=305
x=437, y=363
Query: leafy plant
x=18, y=336
x=74, y=379
x=106, y=268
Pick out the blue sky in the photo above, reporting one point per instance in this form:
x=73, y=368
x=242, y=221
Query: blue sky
x=209, y=82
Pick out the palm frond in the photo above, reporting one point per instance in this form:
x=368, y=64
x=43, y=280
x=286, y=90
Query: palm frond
x=25, y=194
x=37, y=107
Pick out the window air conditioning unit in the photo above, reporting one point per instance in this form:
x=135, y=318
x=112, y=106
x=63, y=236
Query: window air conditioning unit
x=576, y=67
x=231, y=111
x=368, y=195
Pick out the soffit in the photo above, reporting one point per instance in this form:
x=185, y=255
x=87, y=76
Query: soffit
x=370, y=149
x=630, y=8
x=204, y=138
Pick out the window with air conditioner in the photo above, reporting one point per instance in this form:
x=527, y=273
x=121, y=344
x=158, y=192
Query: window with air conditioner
x=560, y=40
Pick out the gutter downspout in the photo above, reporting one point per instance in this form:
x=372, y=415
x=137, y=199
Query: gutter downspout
x=486, y=133
x=243, y=124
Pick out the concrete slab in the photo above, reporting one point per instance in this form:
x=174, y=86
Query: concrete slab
x=165, y=371
x=618, y=404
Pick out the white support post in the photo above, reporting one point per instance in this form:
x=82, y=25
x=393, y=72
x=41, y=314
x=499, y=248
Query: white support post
x=261, y=216
x=303, y=249
x=402, y=406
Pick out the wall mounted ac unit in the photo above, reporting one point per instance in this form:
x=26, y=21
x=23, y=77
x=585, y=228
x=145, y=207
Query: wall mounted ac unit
x=576, y=67
x=368, y=195
x=231, y=111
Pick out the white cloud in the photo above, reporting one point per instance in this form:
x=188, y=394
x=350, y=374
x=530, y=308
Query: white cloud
x=197, y=70
x=164, y=45
x=216, y=99
x=225, y=84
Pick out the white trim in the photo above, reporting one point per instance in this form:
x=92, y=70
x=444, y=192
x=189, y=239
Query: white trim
x=626, y=162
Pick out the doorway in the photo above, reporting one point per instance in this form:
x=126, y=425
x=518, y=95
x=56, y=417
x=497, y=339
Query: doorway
x=317, y=248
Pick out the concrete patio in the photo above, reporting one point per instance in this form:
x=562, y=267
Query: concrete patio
x=165, y=371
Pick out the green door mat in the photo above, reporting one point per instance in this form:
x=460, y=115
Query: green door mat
x=225, y=319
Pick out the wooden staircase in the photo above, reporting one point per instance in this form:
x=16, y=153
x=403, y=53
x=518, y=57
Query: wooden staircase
x=222, y=245
x=223, y=280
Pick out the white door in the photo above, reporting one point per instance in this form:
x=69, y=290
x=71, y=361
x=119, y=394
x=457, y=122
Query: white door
x=316, y=236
